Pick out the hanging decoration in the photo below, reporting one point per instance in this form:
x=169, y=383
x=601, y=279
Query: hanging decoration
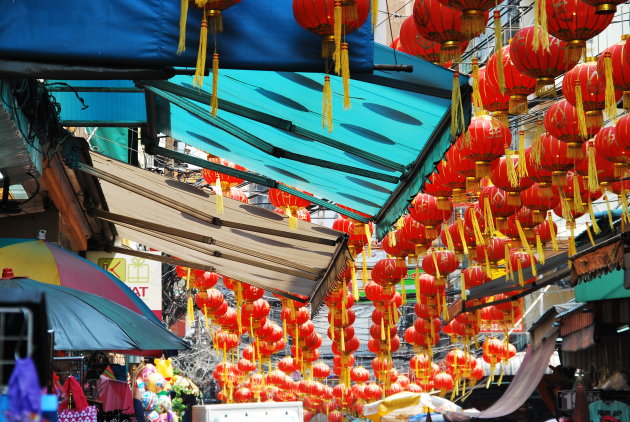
x=612, y=64
x=290, y=203
x=517, y=84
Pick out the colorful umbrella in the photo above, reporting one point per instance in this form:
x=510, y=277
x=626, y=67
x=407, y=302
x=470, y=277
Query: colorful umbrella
x=43, y=261
x=83, y=321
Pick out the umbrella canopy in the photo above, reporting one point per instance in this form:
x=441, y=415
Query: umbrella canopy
x=43, y=261
x=83, y=321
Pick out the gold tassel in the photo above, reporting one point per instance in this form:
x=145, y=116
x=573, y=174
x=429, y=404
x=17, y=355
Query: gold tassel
x=623, y=198
x=488, y=269
x=345, y=75
x=539, y=250
x=383, y=328
x=219, y=196
x=462, y=235
x=463, y=285
x=353, y=274
x=181, y=47
x=566, y=208
x=571, y=248
x=519, y=267
x=364, y=271
x=338, y=20
x=374, y=14
x=416, y=280
x=511, y=170
x=205, y=316
x=593, y=180
x=368, y=237
x=214, y=100
x=458, y=124
x=522, y=237
x=355, y=286
x=590, y=235
x=293, y=220
x=509, y=271
x=498, y=50
x=449, y=240
x=579, y=104
x=552, y=232
x=476, y=95
x=477, y=230
x=596, y=228
x=522, y=164
x=501, y=377
x=190, y=310
x=490, y=229
x=327, y=105
x=609, y=212
x=577, y=197
x=610, y=100
x=200, y=68
x=437, y=270
x=540, y=26
x=404, y=292
x=537, y=145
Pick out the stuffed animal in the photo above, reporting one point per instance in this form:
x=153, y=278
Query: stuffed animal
x=165, y=368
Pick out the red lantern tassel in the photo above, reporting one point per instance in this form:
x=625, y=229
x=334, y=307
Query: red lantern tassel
x=458, y=124
x=610, y=100
x=577, y=197
x=498, y=51
x=181, y=47
x=337, y=24
x=214, y=100
x=449, y=239
x=552, y=231
x=522, y=164
x=596, y=228
x=476, y=95
x=200, y=68
x=581, y=115
x=374, y=14
x=327, y=105
x=540, y=26
x=540, y=250
x=345, y=75
x=609, y=212
x=511, y=170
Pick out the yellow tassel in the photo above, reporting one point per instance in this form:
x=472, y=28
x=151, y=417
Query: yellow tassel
x=293, y=220
x=488, y=269
x=463, y=286
x=511, y=170
x=364, y=271
x=623, y=198
x=338, y=20
x=476, y=95
x=477, y=230
x=537, y=145
x=590, y=235
x=343, y=342
x=490, y=229
x=566, y=208
x=462, y=235
x=416, y=280
x=214, y=100
x=579, y=104
x=596, y=228
x=532, y=261
x=284, y=330
x=593, y=180
x=498, y=50
x=508, y=263
x=368, y=237
x=181, y=47
x=571, y=248
x=519, y=267
x=501, y=377
x=239, y=303
x=190, y=310
x=490, y=377
x=577, y=197
x=355, y=287
x=540, y=26
x=205, y=316
x=458, y=124
x=345, y=75
x=200, y=68
x=522, y=237
x=539, y=250
x=552, y=231
x=522, y=166
x=610, y=100
x=404, y=292
x=449, y=240
x=437, y=270
x=374, y=14
x=392, y=239
x=609, y=212
x=219, y=196
x=327, y=105
x=383, y=328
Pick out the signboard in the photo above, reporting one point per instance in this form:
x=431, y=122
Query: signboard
x=495, y=327
x=143, y=276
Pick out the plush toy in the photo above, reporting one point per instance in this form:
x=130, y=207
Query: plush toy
x=164, y=404
x=155, y=383
x=165, y=367
x=146, y=372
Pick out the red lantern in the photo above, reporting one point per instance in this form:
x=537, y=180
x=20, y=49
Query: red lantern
x=462, y=164
x=438, y=190
x=543, y=64
x=237, y=194
x=387, y=272
x=411, y=42
x=321, y=370
x=488, y=139
x=619, y=68
x=534, y=199
x=574, y=22
x=441, y=24
x=287, y=364
x=456, y=237
x=500, y=177
x=372, y=391
x=475, y=14
x=450, y=176
x=424, y=210
x=415, y=233
x=440, y=263
x=245, y=365
x=622, y=131
x=286, y=201
x=610, y=149
x=517, y=84
x=359, y=374
x=225, y=181
x=555, y=157
x=475, y=275
x=592, y=88
x=497, y=201
x=493, y=100
x=494, y=250
x=443, y=382
x=205, y=280
x=209, y=300
x=242, y=395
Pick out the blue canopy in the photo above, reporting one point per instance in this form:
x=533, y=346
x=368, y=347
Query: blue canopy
x=374, y=161
x=258, y=34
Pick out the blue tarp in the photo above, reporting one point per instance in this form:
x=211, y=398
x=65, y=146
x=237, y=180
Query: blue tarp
x=258, y=34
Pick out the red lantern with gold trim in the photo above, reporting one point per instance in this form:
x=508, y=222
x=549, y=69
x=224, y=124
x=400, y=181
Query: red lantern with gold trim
x=517, y=84
x=488, y=139
x=555, y=158
x=225, y=181
x=412, y=42
x=475, y=14
x=500, y=177
x=534, y=199
x=493, y=100
x=574, y=22
x=543, y=64
x=610, y=149
x=498, y=203
x=613, y=62
x=424, y=209
x=561, y=122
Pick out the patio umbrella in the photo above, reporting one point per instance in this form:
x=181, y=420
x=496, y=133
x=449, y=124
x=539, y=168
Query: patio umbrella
x=83, y=321
x=43, y=261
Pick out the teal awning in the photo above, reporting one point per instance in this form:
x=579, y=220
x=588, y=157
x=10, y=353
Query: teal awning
x=605, y=287
x=375, y=160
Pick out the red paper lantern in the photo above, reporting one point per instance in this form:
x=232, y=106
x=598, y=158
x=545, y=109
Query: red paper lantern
x=287, y=364
x=443, y=382
x=610, y=149
x=411, y=42
x=493, y=100
x=372, y=391
x=387, y=272
x=415, y=233
x=321, y=370
x=543, y=64
x=497, y=200
x=441, y=24
x=620, y=68
x=359, y=374
x=461, y=164
x=456, y=237
x=534, y=199
x=450, y=176
x=574, y=22
x=237, y=194
x=555, y=157
x=494, y=249
x=517, y=84
x=440, y=262
x=438, y=190
x=424, y=210
x=205, y=280
x=475, y=14
x=622, y=131
x=245, y=365
x=499, y=176
x=225, y=180
x=475, y=275
x=285, y=200
x=488, y=139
